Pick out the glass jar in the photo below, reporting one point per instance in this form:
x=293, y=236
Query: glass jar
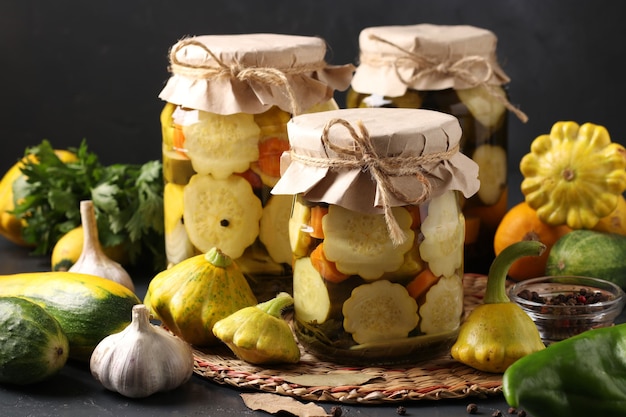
x=377, y=232
x=224, y=129
x=452, y=69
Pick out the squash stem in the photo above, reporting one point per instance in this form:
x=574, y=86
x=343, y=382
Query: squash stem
x=496, y=288
x=218, y=258
x=276, y=305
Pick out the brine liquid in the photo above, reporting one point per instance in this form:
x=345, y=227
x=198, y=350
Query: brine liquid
x=360, y=299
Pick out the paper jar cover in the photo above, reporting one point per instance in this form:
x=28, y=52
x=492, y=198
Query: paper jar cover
x=410, y=145
x=249, y=73
x=425, y=57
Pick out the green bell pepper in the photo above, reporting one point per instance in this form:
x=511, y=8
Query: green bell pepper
x=581, y=376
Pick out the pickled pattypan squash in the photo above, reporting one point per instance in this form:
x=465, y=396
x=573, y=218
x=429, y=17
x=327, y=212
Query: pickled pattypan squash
x=498, y=332
x=223, y=213
x=258, y=334
x=221, y=145
x=575, y=175
x=359, y=243
x=443, y=306
x=444, y=234
x=379, y=311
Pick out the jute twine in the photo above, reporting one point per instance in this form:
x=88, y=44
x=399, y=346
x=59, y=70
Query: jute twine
x=460, y=69
x=272, y=76
x=363, y=155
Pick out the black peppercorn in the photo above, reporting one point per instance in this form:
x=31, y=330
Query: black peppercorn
x=336, y=411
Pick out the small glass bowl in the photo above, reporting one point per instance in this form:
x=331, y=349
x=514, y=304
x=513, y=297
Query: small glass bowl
x=587, y=303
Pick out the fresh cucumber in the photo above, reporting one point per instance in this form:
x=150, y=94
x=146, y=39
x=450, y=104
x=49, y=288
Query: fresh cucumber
x=88, y=308
x=589, y=253
x=33, y=346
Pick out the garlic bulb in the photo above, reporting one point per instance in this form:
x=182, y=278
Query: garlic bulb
x=92, y=259
x=142, y=359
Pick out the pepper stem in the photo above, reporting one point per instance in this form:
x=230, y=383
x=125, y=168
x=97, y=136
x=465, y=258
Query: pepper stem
x=496, y=288
x=276, y=305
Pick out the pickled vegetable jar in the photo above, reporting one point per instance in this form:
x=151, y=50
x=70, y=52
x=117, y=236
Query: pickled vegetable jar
x=228, y=100
x=377, y=232
x=452, y=69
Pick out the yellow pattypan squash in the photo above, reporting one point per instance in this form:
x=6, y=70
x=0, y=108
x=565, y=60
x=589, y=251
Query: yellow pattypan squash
x=258, y=334
x=498, y=332
x=575, y=175
x=193, y=295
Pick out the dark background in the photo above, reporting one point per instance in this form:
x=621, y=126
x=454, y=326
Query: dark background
x=81, y=69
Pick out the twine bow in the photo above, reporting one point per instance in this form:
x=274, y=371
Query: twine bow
x=460, y=69
x=363, y=155
x=264, y=75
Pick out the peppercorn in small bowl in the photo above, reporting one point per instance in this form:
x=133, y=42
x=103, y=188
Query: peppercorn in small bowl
x=564, y=306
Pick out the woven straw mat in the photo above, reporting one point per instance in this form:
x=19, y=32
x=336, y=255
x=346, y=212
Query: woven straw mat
x=435, y=379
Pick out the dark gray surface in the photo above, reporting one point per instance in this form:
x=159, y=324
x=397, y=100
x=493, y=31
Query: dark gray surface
x=75, y=393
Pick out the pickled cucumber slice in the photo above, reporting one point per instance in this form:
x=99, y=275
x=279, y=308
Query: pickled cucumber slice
x=274, y=228
x=222, y=213
x=444, y=234
x=359, y=243
x=485, y=108
x=176, y=167
x=167, y=124
x=178, y=247
x=221, y=145
x=443, y=307
x=491, y=161
x=379, y=311
x=311, y=298
x=299, y=228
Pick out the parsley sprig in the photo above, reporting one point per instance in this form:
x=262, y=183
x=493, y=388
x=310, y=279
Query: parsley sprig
x=128, y=200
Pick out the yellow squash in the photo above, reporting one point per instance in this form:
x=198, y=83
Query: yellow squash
x=575, y=175
x=258, y=334
x=191, y=296
x=498, y=332
x=10, y=225
x=616, y=221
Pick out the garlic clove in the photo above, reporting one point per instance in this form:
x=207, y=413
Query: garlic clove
x=92, y=259
x=142, y=359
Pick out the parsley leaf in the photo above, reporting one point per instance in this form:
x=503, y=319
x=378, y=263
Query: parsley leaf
x=128, y=200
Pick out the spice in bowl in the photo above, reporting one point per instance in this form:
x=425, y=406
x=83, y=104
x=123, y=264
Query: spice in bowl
x=563, y=306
